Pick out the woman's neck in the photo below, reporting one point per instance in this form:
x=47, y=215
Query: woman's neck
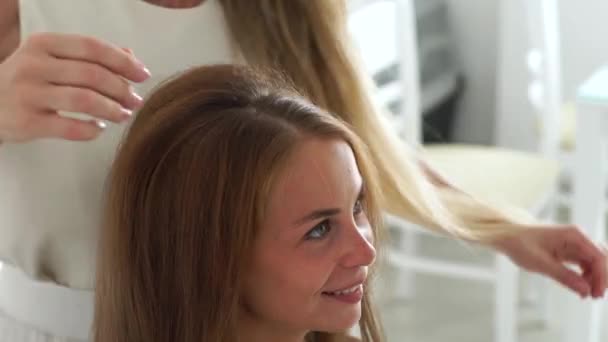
x=254, y=330
x=176, y=3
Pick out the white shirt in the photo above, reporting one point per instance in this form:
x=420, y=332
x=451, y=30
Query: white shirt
x=51, y=190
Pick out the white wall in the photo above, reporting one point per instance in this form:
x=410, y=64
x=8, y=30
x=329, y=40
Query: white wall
x=584, y=41
x=482, y=43
x=474, y=24
x=515, y=122
x=477, y=29
x=474, y=31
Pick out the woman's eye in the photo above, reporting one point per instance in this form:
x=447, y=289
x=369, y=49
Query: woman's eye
x=358, y=208
x=319, y=231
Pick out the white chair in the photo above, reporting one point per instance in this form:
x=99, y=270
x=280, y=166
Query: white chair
x=512, y=177
x=582, y=160
x=585, y=320
x=555, y=117
x=539, y=61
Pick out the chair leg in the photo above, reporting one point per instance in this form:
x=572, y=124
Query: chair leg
x=545, y=303
x=506, y=313
x=537, y=294
x=531, y=291
x=537, y=289
x=597, y=308
x=404, y=285
x=596, y=322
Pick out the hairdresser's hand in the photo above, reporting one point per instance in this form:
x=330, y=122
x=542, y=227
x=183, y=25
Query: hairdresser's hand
x=52, y=72
x=546, y=249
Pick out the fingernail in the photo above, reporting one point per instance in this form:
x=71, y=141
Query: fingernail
x=100, y=124
x=143, y=67
x=126, y=113
x=136, y=101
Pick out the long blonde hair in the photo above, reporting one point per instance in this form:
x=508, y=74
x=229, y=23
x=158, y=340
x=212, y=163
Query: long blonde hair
x=309, y=41
x=186, y=196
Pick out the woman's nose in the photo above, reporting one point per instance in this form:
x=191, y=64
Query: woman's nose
x=359, y=250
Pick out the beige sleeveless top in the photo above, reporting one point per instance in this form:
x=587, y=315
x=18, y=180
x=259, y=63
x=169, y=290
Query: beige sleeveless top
x=50, y=190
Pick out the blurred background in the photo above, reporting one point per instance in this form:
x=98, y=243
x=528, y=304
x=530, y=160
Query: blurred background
x=512, y=95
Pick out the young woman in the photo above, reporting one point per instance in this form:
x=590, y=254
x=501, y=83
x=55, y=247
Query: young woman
x=237, y=211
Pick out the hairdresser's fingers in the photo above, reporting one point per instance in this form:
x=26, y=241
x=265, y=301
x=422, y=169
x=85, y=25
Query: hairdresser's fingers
x=92, y=50
x=82, y=100
x=573, y=246
x=94, y=77
x=569, y=279
x=51, y=125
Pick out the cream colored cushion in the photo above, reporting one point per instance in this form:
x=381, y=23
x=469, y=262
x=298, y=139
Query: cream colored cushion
x=568, y=128
x=567, y=138
x=494, y=174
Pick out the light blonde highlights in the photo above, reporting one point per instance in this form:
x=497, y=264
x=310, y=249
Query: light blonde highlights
x=310, y=42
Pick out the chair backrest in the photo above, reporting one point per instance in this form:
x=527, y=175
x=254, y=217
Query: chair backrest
x=529, y=76
x=409, y=48
x=409, y=122
x=544, y=67
x=385, y=31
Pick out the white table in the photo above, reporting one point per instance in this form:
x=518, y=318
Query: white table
x=589, y=207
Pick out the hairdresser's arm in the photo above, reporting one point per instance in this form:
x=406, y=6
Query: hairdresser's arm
x=49, y=73
x=546, y=248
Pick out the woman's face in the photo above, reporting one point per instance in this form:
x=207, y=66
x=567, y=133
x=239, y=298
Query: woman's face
x=311, y=255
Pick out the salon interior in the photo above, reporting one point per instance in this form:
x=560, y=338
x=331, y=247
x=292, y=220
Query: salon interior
x=513, y=96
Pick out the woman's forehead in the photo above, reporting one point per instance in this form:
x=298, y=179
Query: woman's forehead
x=320, y=173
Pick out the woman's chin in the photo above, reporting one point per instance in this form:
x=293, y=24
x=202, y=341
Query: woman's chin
x=341, y=323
